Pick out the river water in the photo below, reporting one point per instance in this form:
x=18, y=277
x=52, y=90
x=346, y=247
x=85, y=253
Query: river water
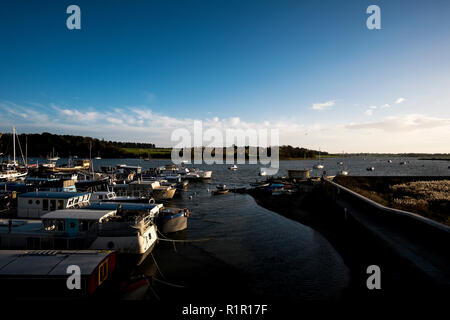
x=279, y=257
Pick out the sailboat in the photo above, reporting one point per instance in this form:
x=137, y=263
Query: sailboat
x=53, y=157
x=318, y=165
x=98, y=156
x=11, y=173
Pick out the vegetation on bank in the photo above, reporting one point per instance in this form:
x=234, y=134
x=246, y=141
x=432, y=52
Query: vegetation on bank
x=47, y=144
x=428, y=198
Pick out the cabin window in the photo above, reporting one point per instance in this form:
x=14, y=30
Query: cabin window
x=38, y=202
x=102, y=272
x=60, y=204
x=52, y=205
x=30, y=201
x=60, y=225
x=83, y=226
x=69, y=203
x=45, y=204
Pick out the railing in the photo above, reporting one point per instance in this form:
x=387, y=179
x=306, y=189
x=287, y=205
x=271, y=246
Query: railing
x=386, y=210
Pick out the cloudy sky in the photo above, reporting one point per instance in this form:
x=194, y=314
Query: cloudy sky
x=137, y=71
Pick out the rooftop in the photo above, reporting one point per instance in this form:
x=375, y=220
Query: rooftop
x=79, y=214
x=52, y=195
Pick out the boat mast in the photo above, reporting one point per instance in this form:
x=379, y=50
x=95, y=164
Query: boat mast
x=26, y=150
x=14, y=145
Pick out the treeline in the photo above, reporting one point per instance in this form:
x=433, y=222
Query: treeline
x=284, y=152
x=47, y=144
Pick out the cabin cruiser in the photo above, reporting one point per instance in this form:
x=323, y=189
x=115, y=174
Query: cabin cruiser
x=152, y=188
x=233, y=167
x=167, y=219
x=195, y=174
x=12, y=175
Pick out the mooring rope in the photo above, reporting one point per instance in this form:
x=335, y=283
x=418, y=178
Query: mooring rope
x=195, y=240
x=164, y=238
x=168, y=283
x=157, y=267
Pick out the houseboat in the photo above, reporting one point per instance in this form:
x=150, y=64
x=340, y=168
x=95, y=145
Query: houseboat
x=33, y=205
x=128, y=232
x=42, y=274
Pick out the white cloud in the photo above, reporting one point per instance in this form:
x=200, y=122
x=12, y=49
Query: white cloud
x=324, y=105
x=399, y=100
x=404, y=123
x=384, y=106
x=407, y=133
x=368, y=112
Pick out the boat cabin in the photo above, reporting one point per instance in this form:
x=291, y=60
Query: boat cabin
x=35, y=204
x=74, y=221
x=99, y=196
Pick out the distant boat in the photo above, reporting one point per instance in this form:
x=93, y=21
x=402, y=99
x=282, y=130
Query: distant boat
x=233, y=167
x=390, y=161
x=262, y=172
x=53, y=157
x=220, y=189
x=340, y=163
x=403, y=162
x=319, y=165
x=370, y=169
x=343, y=173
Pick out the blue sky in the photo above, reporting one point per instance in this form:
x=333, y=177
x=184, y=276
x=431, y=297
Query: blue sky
x=137, y=70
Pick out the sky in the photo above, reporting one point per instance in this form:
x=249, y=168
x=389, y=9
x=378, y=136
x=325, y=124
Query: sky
x=139, y=70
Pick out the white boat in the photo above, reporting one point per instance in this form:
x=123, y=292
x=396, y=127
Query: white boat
x=195, y=174
x=233, y=167
x=10, y=173
x=389, y=161
x=370, y=168
x=49, y=164
x=53, y=157
x=262, y=172
x=343, y=173
x=318, y=165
